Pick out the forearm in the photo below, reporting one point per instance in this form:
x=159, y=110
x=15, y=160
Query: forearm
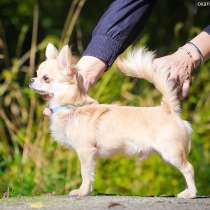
x=202, y=41
x=118, y=27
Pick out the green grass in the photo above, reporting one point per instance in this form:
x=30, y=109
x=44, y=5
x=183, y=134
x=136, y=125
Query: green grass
x=31, y=163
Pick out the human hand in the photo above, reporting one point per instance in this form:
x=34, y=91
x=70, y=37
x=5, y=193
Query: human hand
x=91, y=68
x=180, y=64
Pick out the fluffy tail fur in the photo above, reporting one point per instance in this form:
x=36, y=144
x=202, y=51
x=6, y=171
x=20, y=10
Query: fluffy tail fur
x=139, y=63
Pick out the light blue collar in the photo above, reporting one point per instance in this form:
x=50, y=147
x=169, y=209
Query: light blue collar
x=66, y=107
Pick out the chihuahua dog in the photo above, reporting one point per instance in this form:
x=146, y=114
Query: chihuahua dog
x=95, y=130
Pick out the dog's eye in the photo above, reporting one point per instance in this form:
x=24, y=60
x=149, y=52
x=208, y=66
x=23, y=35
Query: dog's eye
x=46, y=78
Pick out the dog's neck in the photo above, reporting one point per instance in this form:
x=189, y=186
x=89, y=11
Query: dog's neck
x=75, y=101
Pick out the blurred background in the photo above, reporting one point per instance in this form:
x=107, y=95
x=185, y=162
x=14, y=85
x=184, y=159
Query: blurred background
x=31, y=163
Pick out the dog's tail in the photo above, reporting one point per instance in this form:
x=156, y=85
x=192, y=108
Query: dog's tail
x=139, y=63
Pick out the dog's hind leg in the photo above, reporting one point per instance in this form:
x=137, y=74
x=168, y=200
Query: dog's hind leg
x=87, y=161
x=188, y=172
x=184, y=166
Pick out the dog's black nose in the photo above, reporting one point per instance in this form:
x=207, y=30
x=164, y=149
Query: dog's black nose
x=31, y=81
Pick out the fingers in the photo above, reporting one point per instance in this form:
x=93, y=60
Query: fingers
x=185, y=88
x=174, y=83
x=173, y=78
x=85, y=80
x=86, y=84
x=179, y=67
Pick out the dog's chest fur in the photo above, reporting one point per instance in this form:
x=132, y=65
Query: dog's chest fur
x=76, y=127
x=71, y=128
x=59, y=127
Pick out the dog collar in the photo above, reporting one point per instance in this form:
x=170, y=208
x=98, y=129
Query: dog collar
x=66, y=107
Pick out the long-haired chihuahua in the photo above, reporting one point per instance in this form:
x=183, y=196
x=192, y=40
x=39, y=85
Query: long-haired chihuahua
x=95, y=130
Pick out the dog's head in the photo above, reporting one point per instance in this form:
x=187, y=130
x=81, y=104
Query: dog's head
x=57, y=78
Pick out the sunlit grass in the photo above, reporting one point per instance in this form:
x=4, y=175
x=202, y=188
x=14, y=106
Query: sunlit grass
x=31, y=163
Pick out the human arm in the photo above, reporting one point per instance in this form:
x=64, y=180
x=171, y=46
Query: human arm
x=119, y=26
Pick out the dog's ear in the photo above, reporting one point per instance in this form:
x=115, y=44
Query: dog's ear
x=64, y=59
x=51, y=51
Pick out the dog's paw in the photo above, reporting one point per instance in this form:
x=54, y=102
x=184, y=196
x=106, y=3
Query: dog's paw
x=78, y=192
x=187, y=194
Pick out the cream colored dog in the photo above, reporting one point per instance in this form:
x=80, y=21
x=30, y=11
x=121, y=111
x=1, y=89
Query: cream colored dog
x=95, y=130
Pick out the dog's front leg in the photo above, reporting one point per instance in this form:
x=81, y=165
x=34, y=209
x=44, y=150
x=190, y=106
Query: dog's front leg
x=87, y=162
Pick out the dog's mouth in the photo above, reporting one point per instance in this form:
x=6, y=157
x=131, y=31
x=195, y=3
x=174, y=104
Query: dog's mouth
x=47, y=96
x=41, y=92
x=44, y=94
